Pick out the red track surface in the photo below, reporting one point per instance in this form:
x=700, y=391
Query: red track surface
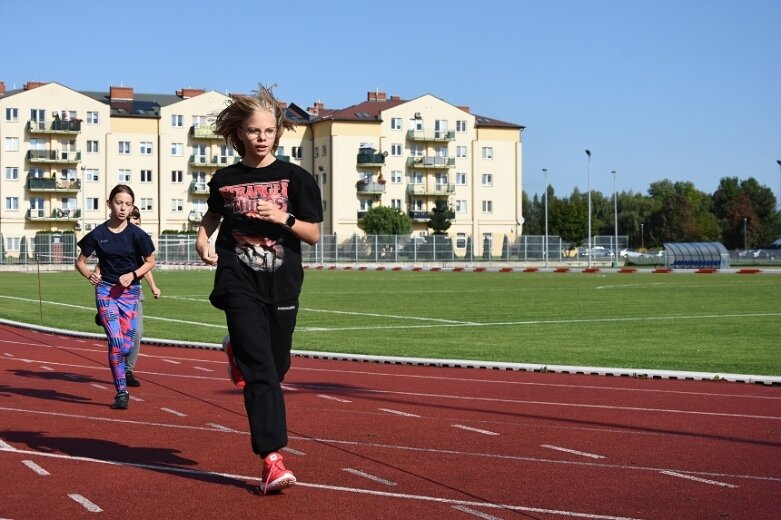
x=377, y=441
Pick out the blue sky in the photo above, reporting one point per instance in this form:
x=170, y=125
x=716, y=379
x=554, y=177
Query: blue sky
x=688, y=90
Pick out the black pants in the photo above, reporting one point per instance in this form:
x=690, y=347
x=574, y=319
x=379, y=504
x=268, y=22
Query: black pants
x=262, y=337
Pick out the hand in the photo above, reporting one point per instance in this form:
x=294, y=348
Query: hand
x=127, y=279
x=268, y=211
x=156, y=292
x=204, y=252
x=94, y=278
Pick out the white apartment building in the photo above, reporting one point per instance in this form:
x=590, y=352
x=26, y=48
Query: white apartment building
x=62, y=151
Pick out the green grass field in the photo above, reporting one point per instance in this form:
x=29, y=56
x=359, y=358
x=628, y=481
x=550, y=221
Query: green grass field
x=703, y=322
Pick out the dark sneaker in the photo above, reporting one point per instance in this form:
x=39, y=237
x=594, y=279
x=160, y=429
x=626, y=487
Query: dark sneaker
x=121, y=400
x=275, y=476
x=131, y=380
x=233, y=370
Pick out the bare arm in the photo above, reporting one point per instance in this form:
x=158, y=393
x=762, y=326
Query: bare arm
x=268, y=211
x=208, y=225
x=150, y=279
x=85, y=271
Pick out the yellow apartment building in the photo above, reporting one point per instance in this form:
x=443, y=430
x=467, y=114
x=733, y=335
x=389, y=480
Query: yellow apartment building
x=62, y=151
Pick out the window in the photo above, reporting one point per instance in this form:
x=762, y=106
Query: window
x=93, y=203
x=396, y=204
x=325, y=180
x=416, y=178
x=177, y=120
x=442, y=151
x=37, y=115
x=416, y=150
x=440, y=179
x=226, y=154
x=92, y=118
x=488, y=206
x=146, y=175
x=123, y=176
x=395, y=177
x=488, y=152
x=11, y=144
x=460, y=179
x=177, y=205
x=37, y=173
x=12, y=114
x=13, y=243
x=297, y=152
x=177, y=176
x=92, y=147
x=12, y=203
x=325, y=153
x=145, y=148
x=460, y=239
x=366, y=204
x=396, y=150
x=123, y=147
x=396, y=123
x=487, y=179
x=177, y=149
x=461, y=206
x=145, y=204
x=461, y=126
x=91, y=175
x=36, y=207
x=461, y=151
x=11, y=173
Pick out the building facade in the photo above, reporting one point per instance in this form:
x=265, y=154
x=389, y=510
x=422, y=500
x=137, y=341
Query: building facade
x=62, y=151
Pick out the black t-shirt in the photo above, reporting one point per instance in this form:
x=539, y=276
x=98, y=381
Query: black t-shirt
x=118, y=253
x=256, y=258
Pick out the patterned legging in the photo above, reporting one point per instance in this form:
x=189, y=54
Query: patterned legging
x=117, y=307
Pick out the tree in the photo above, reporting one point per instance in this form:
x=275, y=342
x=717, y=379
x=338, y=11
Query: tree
x=440, y=217
x=384, y=220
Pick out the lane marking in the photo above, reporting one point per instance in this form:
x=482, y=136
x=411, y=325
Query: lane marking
x=574, y=452
x=398, y=412
x=44, y=367
x=134, y=398
x=203, y=369
x=36, y=468
x=332, y=398
x=294, y=452
x=697, y=479
x=288, y=388
x=86, y=504
x=474, y=512
x=477, y=430
x=99, y=386
x=173, y=412
x=5, y=446
x=221, y=427
x=172, y=361
x=369, y=476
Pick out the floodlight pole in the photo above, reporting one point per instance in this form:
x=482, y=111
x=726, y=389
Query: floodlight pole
x=779, y=191
x=588, y=153
x=615, y=217
x=745, y=235
x=545, y=242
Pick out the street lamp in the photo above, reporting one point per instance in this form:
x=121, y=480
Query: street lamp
x=745, y=234
x=545, y=242
x=642, y=236
x=615, y=216
x=588, y=152
x=779, y=191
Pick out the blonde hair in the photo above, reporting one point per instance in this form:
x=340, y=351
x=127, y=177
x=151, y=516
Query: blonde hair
x=240, y=108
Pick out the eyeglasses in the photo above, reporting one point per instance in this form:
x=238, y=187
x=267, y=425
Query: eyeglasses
x=254, y=133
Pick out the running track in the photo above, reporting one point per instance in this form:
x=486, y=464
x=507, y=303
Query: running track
x=377, y=441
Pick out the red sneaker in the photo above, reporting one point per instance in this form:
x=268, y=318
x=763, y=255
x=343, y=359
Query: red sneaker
x=233, y=370
x=275, y=476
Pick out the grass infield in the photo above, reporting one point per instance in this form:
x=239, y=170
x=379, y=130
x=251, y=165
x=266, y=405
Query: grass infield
x=701, y=322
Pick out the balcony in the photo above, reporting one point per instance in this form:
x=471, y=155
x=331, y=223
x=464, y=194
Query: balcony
x=436, y=190
x=370, y=188
x=204, y=132
x=57, y=126
x=431, y=136
x=56, y=215
x=53, y=157
x=48, y=184
x=375, y=160
x=199, y=188
x=419, y=215
x=431, y=162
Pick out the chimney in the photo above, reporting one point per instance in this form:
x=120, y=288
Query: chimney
x=187, y=93
x=2, y=88
x=121, y=94
x=315, y=110
x=395, y=98
x=33, y=84
x=282, y=105
x=465, y=109
x=376, y=96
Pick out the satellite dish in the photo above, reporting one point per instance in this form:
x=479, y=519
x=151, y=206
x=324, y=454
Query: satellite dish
x=384, y=154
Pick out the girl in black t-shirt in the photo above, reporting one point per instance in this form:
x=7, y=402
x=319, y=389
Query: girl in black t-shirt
x=264, y=208
x=125, y=253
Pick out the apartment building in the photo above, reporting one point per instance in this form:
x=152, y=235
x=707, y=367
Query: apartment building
x=63, y=151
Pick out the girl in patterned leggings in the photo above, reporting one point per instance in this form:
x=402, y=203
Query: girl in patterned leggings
x=125, y=253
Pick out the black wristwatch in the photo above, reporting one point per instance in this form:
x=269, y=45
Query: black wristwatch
x=290, y=220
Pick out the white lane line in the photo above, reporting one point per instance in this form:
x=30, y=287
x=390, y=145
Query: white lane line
x=134, y=398
x=6, y=354
x=172, y=361
x=574, y=452
x=369, y=476
x=398, y=412
x=173, y=412
x=332, y=398
x=99, y=386
x=474, y=512
x=294, y=452
x=5, y=446
x=220, y=427
x=44, y=367
x=203, y=369
x=288, y=388
x=477, y=430
x=86, y=504
x=697, y=479
x=36, y=468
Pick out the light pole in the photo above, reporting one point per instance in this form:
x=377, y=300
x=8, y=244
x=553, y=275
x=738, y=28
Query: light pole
x=779, y=191
x=588, y=152
x=83, y=200
x=615, y=217
x=642, y=236
x=545, y=242
x=745, y=235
